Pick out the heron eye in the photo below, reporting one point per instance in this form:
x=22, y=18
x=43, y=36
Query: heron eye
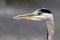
x=39, y=13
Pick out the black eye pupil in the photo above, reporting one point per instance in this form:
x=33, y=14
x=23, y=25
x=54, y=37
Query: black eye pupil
x=39, y=13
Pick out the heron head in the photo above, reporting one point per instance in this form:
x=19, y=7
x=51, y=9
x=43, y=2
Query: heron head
x=39, y=14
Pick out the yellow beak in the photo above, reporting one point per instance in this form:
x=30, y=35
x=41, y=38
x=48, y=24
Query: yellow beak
x=24, y=16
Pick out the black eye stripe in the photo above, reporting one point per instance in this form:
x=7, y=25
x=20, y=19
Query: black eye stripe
x=45, y=10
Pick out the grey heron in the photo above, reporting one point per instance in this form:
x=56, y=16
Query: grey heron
x=38, y=15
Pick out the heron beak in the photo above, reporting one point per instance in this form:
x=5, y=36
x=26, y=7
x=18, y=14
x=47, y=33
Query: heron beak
x=24, y=16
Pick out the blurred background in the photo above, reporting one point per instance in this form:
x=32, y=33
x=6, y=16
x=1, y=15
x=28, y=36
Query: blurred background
x=24, y=29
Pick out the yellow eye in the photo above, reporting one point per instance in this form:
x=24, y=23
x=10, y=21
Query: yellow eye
x=39, y=13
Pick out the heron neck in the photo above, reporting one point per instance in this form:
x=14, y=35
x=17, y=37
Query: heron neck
x=50, y=22
x=50, y=26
